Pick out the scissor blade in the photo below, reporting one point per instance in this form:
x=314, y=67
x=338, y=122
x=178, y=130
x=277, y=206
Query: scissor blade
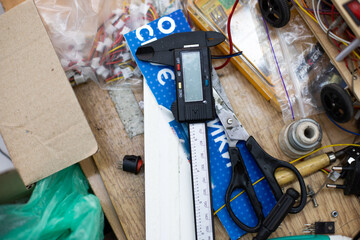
x=233, y=127
x=219, y=89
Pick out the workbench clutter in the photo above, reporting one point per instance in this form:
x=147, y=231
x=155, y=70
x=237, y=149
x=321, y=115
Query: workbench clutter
x=188, y=104
x=213, y=147
x=95, y=48
x=45, y=132
x=43, y=125
x=173, y=50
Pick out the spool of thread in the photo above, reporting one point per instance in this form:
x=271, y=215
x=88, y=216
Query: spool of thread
x=300, y=137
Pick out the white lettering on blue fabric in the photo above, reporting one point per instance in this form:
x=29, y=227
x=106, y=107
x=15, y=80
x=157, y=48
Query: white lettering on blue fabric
x=147, y=27
x=219, y=129
x=170, y=29
x=213, y=124
x=164, y=73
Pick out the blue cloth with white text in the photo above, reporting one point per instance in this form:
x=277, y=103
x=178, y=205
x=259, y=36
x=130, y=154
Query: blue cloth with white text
x=161, y=80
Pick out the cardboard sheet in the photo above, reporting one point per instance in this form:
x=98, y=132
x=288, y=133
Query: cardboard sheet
x=41, y=120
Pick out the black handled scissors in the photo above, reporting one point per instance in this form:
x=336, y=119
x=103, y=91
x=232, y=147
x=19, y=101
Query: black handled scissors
x=235, y=133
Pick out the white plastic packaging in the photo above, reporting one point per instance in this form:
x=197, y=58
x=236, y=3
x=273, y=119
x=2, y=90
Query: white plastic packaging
x=88, y=35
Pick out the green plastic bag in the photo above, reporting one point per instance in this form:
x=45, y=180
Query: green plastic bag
x=59, y=208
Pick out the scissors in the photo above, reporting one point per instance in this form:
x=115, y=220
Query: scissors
x=240, y=179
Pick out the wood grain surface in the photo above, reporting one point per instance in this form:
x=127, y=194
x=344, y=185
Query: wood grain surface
x=92, y=174
x=126, y=190
x=264, y=123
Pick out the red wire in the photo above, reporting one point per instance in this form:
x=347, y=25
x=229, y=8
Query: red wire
x=329, y=13
x=332, y=12
x=103, y=36
x=118, y=19
x=229, y=36
x=323, y=12
x=114, y=62
x=116, y=52
x=350, y=34
x=95, y=42
x=338, y=45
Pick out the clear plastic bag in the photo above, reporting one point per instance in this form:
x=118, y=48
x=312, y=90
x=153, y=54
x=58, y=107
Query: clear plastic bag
x=292, y=45
x=302, y=62
x=88, y=37
x=60, y=207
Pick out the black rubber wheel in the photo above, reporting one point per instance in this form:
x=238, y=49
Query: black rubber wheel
x=337, y=102
x=275, y=12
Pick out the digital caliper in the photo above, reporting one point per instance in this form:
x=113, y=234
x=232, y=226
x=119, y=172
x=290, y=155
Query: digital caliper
x=189, y=53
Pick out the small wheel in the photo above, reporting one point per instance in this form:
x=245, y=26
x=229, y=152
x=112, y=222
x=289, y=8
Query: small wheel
x=275, y=12
x=337, y=102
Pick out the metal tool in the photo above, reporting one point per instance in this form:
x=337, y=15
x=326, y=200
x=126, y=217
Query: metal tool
x=312, y=195
x=190, y=55
x=236, y=134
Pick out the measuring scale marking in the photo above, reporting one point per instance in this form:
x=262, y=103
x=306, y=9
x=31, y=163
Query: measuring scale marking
x=201, y=181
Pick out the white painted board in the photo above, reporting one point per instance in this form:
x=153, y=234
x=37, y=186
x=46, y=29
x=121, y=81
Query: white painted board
x=169, y=210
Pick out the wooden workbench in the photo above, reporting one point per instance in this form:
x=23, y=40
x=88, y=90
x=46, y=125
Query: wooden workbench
x=123, y=202
x=263, y=122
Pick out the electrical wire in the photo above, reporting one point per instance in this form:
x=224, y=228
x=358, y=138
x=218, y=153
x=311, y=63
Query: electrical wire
x=322, y=12
x=114, y=79
x=318, y=20
x=324, y=171
x=111, y=56
x=327, y=4
x=351, y=132
x=277, y=64
x=298, y=159
x=301, y=7
x=229, y=35
x=327, y=146
x=321, y=24
x=325, y=29
x=120, y=46
x=226, y=56
x=259, y=180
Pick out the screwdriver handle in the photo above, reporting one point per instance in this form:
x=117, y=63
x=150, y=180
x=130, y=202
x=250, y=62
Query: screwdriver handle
x=306, y=167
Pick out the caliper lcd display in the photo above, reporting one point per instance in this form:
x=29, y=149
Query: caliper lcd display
x=191, y=68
